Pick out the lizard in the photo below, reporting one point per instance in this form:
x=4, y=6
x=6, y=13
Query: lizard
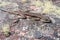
x=34, y=16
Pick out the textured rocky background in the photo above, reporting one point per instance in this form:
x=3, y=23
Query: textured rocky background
x=12, y=28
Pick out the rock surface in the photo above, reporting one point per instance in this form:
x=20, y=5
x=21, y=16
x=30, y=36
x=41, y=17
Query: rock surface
x=26, y=29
